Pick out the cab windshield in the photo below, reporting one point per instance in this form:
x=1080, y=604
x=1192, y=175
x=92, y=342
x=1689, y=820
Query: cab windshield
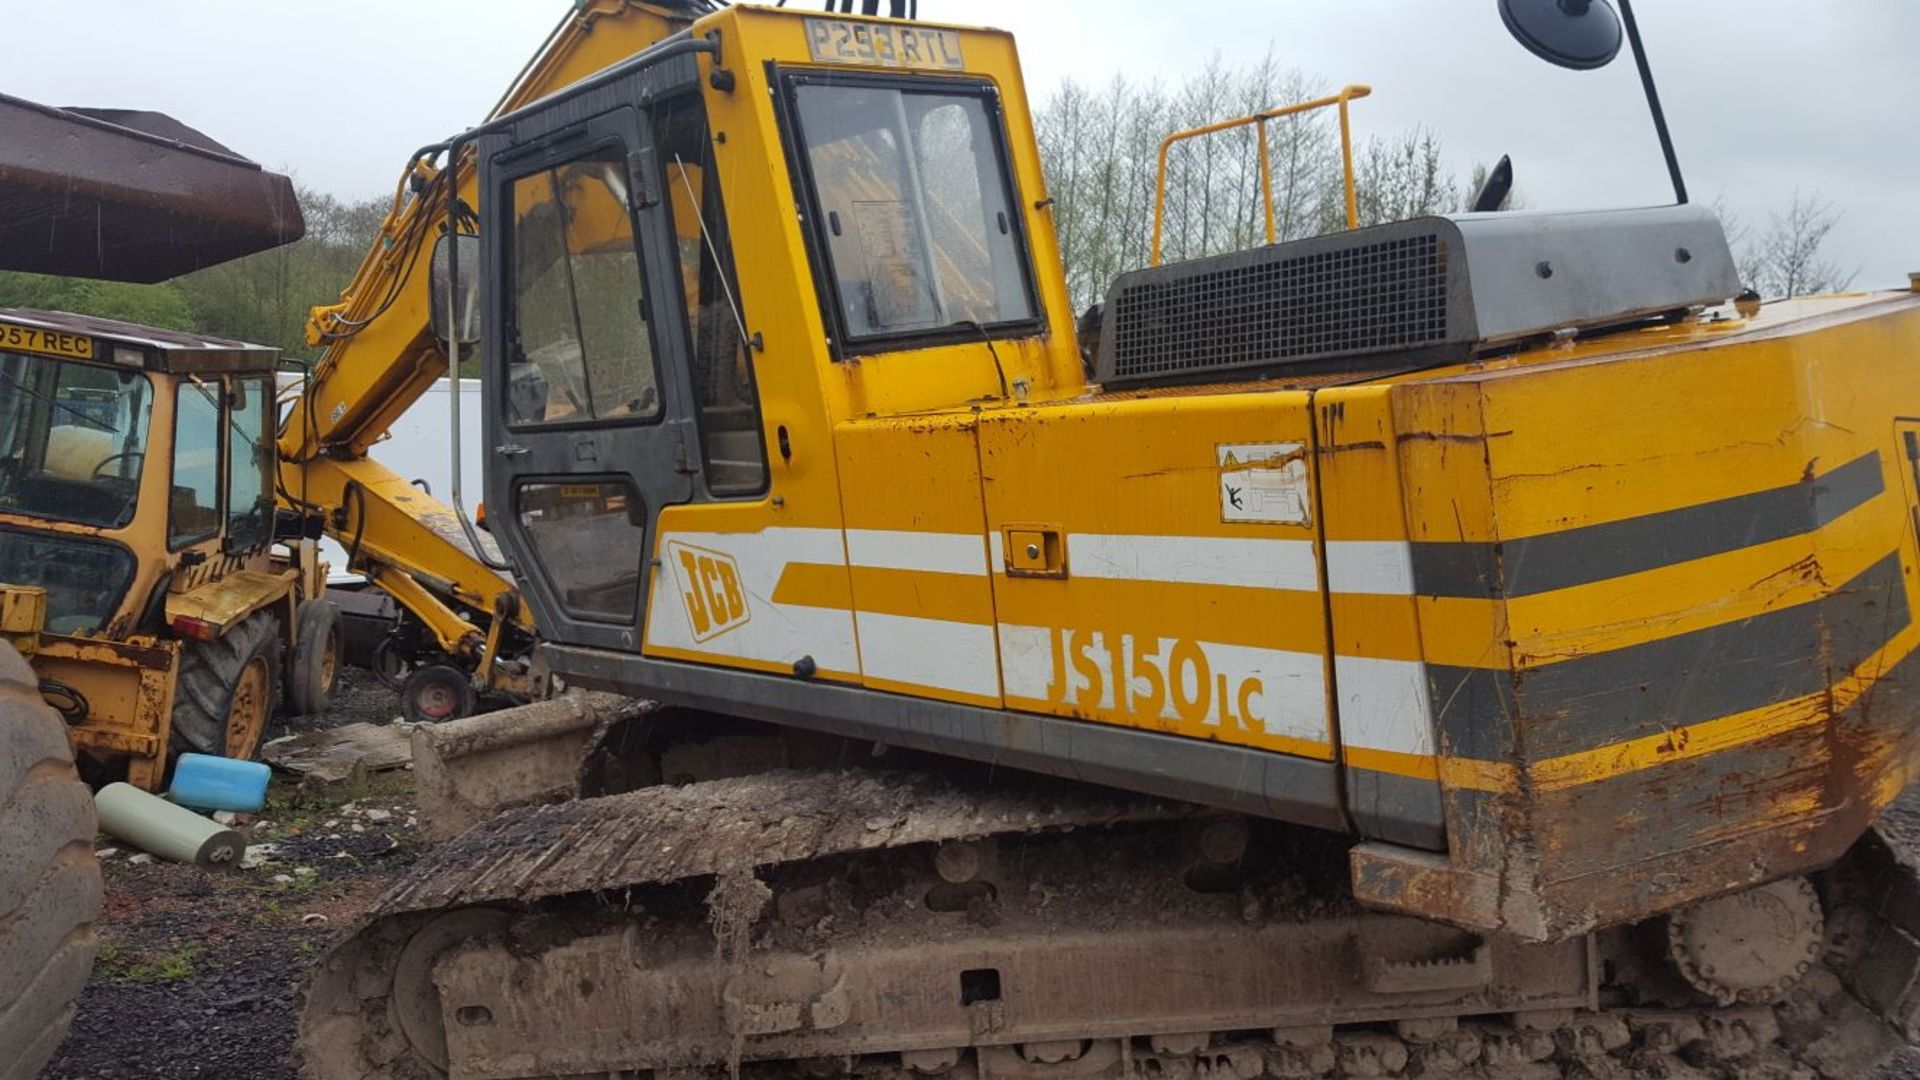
x=85, y=580
x=913, y=206
x=73, y=439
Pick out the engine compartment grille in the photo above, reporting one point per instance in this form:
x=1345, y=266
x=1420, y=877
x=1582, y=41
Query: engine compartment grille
x=1419, y=293
x=1280, y=305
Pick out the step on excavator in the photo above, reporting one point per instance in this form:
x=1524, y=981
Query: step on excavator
x=1479, y=644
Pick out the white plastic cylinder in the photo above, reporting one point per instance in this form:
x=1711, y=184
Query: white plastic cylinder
x=153, y=824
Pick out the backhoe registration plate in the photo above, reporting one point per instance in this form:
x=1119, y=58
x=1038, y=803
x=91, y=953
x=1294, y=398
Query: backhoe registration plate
x=836, y=41
x=36, y=339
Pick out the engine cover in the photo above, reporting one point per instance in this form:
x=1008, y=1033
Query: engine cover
x=1427, y=291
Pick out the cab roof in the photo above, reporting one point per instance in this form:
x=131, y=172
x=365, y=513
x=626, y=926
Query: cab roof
x=158, y=349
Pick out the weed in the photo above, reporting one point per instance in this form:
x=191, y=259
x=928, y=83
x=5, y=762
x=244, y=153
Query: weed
x=269, y=912
x=292, y=810
x=114, y=963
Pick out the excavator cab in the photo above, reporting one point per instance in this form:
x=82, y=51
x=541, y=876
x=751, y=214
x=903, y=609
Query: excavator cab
x=137, y=527
x=629, y=384
x=625, y=386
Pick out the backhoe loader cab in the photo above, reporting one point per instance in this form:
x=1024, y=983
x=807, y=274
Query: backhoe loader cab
x=137, y=567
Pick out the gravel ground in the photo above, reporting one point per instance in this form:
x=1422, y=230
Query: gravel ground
x=197, y=972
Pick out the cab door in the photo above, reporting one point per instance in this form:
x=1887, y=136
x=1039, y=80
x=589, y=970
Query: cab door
x=588, y=416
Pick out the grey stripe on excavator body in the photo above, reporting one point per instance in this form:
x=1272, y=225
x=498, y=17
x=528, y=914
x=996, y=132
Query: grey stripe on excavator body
x=1609, y=697
x=1559, y=560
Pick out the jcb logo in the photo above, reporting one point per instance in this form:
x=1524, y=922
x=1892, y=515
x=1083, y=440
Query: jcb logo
x=710, y=589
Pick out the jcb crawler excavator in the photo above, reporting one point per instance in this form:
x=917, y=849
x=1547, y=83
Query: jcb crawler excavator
x=1467, y=645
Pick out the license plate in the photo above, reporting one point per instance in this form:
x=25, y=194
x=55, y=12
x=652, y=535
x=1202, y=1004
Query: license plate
x=33, y=339
x=837, y=41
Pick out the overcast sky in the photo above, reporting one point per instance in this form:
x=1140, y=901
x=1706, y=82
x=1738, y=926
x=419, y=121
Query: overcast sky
x=1765, y=96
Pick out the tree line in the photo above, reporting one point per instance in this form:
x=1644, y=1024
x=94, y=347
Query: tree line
x=1099, y=147
x=262, y=298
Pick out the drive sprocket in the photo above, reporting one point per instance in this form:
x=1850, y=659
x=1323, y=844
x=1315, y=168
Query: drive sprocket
x=1750, y=947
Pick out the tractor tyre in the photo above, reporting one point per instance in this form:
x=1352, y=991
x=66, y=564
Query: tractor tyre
x=50, y=889
x=225, y=693
x=316, y=658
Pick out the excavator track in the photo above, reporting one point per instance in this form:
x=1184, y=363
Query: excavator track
x=854, y=923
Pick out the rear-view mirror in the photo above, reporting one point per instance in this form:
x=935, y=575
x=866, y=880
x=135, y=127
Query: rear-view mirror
x=1577, y=34
x=457, y=318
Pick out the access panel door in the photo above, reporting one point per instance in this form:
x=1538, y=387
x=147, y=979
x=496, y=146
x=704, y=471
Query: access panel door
x=589, y=418
x=1156, y=569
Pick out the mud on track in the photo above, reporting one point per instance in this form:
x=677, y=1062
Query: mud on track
x=198, y=973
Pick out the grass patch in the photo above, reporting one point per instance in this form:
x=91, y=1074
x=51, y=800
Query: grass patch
x=116, y=963
x=292, y=810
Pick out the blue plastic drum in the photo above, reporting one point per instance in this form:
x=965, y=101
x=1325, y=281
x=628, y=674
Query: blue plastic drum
x=206, y=782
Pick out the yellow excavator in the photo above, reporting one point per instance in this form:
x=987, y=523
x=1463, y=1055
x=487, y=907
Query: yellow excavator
x=1477, y=644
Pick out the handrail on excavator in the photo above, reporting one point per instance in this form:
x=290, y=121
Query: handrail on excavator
x=1259, y=121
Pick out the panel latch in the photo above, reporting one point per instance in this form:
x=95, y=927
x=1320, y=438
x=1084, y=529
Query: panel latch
x=1035, y=551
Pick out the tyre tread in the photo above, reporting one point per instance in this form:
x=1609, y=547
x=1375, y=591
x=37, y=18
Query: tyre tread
x=208, y=672
x=50, y=886
x=306, y=694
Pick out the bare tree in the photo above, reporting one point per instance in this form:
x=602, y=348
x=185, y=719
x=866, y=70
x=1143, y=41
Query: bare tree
x=1739, y=236
x=1785, y=260
x=1394, y=179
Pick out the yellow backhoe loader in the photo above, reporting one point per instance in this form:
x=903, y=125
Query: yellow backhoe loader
x=140, y=596
x=137, y=528
x=138, y=580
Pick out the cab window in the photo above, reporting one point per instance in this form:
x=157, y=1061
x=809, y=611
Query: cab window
x=73, y=439
x=249, y=464
x=732, y=442
x=193, y=504
x=912, y=206
x=579, y=348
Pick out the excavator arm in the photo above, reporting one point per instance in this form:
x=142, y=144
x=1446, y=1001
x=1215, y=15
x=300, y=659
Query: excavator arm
x=382, y=353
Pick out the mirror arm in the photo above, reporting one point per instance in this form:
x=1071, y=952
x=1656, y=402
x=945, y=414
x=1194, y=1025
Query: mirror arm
x=1653, y=101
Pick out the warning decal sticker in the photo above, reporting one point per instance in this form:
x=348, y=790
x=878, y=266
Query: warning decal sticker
x=1263, y=482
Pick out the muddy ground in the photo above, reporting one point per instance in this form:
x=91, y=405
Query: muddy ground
x=197, y=973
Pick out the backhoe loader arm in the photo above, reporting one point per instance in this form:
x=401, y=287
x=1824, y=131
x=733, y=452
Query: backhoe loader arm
x=381, y=355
